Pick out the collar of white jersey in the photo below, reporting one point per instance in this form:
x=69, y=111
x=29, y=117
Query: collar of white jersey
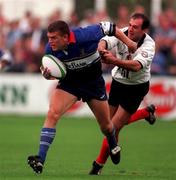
x=140, y=41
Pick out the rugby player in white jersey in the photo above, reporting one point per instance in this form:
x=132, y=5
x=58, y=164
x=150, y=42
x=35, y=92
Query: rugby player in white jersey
x=130, y=77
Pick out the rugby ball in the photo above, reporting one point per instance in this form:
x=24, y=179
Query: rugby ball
x=56, y=66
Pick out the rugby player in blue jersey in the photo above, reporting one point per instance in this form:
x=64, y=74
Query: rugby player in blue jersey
x=77, y=49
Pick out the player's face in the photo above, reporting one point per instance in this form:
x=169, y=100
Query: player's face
x=57, y=41
x=135, y=31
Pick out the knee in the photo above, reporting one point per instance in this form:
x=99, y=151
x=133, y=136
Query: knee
x=107, y=128
x=53, y=116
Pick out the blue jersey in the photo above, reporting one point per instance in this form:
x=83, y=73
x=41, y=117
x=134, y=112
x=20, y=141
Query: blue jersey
x=81, y=58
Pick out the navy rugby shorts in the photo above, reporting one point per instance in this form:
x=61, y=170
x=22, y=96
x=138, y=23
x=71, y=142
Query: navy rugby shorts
x=85, y=91
x=127, y=96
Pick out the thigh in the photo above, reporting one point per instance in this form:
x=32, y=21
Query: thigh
x=61, y=101
x=112, y=110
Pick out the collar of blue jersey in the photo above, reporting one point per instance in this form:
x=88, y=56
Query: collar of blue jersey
x=140, y=41
x=72, y=38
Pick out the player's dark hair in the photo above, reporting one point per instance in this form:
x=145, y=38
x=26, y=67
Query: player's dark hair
x=60, y=26
x=146, y=22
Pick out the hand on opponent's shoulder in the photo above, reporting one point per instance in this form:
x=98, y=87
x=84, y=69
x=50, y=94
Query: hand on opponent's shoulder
x=110, y=29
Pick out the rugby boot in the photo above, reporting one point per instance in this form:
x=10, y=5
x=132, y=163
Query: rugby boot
x=35, y=163
x=114, y=149
x=151, y=119
x=96, y=169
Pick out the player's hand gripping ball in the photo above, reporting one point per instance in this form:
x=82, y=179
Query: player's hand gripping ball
x=53, y=68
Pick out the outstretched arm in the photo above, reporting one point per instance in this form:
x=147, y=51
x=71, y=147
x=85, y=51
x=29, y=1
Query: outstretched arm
x=110, y=29
x=121, y=36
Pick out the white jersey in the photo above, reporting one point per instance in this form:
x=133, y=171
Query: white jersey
x=144, y=54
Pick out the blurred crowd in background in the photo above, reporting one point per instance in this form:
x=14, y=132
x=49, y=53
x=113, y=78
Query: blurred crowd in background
x=23, y=41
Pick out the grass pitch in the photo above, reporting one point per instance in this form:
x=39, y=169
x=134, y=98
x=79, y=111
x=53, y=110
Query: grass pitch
x=148, y=152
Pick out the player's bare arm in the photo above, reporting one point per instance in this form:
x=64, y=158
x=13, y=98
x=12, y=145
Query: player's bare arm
x=121, y=36
x=132, y=65
x=111, y=29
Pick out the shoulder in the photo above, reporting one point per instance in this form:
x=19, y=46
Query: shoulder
x=149, y=39
x=89, y=33
x=148, y=43
x=86, y=29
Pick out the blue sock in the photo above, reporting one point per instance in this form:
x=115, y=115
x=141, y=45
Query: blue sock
x=46, y=138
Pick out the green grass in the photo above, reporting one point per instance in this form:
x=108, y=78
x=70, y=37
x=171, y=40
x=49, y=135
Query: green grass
x=148, y=152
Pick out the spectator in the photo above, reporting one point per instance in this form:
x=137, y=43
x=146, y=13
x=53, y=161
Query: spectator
x=159, y=64
x=171, y=61
x=19, y=64
x=38, y=34
x=73, y=20
x=139, y=9
x=122, y=16
x=5, y=60
x=164, y=34
x=14, y=34
x=89, y=18
x=56, y=15
x=102, y=16
x=170, y=14
x=24, y=24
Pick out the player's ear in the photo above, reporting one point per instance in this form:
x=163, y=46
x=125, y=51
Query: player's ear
x=66, y=37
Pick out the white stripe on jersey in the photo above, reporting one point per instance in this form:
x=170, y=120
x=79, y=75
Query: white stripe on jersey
x=83, y=62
